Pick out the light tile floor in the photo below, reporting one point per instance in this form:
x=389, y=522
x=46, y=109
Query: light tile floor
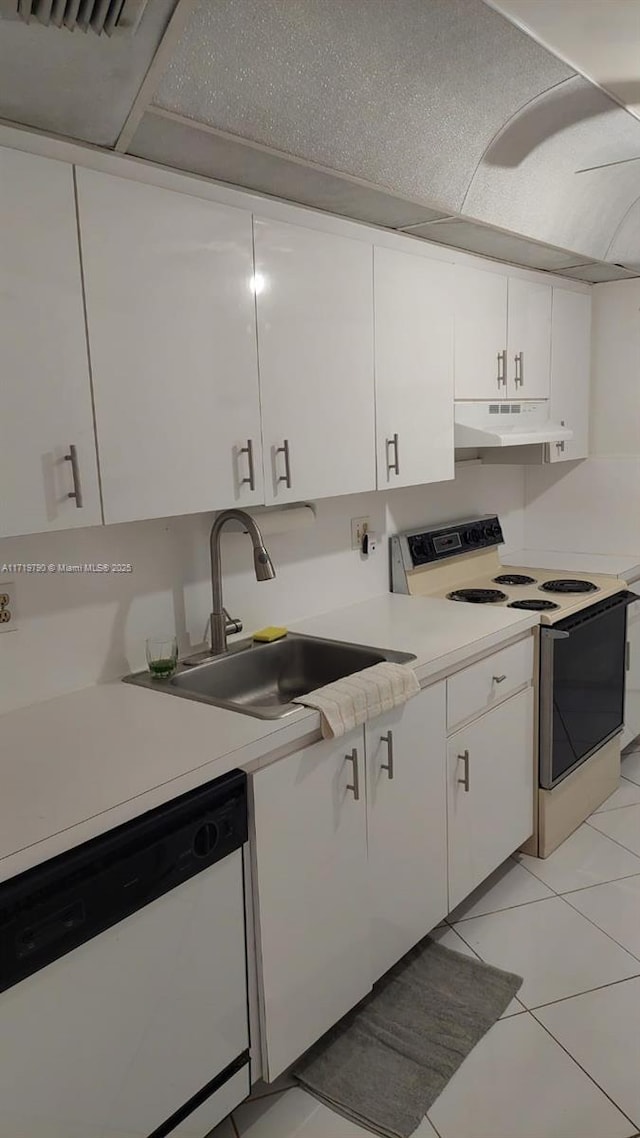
x=564, y=1059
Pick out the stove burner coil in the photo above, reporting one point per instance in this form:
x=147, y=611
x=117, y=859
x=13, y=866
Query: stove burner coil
x=478, y=596
x=567, y=585
x=514, y=579
x=534, y=605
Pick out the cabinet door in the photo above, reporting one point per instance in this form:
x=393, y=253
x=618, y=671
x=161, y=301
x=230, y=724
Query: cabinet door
x=171, y=319
x=570, y=371
x=632, y=685
x=315, y=341
x=490, y=785
x=529, y=340
x=407, y=826
x=46, y=392
x=480, y=334
x=310, y=880
x=414, y=369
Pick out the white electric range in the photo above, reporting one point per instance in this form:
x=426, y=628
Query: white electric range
x=581, y=659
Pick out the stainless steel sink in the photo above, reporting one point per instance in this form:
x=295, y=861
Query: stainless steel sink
x=263, y=679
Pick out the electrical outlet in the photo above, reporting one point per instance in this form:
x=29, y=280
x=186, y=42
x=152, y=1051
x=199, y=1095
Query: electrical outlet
x=359, y=526
x=7, y=606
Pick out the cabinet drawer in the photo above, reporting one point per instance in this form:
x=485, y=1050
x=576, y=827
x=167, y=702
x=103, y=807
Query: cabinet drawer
x=487, y=683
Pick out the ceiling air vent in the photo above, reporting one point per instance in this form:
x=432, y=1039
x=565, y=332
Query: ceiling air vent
x=99, y=16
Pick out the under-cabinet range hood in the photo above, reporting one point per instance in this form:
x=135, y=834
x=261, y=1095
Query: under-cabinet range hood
x=507, y=424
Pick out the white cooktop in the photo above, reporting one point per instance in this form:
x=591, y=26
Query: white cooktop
x=622, y=565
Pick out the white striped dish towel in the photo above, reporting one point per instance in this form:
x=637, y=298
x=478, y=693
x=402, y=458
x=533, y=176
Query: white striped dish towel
x=354, y=699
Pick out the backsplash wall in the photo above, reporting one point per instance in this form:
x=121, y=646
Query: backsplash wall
x=77, y=629
x=594, y=506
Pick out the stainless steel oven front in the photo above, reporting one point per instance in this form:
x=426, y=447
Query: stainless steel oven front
x=582, y=679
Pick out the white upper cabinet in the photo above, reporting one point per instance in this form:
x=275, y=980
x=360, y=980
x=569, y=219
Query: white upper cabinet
x=407, y=825
x=502, y=336
x=315, y=339
x=528, y=340
x=480, y=334
x=413, y=369
x=570, y=371
x=46, y=393
x=171, y=317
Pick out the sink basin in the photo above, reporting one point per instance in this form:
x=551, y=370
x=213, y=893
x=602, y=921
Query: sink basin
x=263, y=679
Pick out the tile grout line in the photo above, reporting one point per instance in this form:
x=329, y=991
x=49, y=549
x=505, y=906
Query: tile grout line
x=585, y=1072
x=611, y=938
x=233, y=1126
x=615, y=840
x=587, y=992
x=503, y=909
x=597, y=884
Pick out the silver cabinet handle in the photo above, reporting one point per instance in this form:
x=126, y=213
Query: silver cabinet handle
x=251, y=480
x=465, y=781
x=499, y=679
x=355, y=785
x=519, y=362
x=393, y=467
x=627, y=656
x=502, y=368
x=286, y=477
x=76, y=493
x=388, y=766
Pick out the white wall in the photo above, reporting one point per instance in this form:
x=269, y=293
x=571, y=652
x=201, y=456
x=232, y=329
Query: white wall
x=594, y=506
x=79, y=629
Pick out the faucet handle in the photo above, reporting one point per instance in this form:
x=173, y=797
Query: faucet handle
x=234, y=624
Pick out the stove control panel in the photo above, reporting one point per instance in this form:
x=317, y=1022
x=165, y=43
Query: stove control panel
x=446, y=541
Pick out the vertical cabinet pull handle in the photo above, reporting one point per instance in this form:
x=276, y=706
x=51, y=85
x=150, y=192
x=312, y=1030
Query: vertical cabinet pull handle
x=502, y=368
x=388, y=766
x=76, y=493
x=519, y=362
x=286, y=477
x=251, y=480
x=355, y=785
x=627, y=656
x=465, y=781
x=393, y=467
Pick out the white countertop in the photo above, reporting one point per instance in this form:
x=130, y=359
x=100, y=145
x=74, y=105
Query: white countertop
x=78, y=765
x=622, y=565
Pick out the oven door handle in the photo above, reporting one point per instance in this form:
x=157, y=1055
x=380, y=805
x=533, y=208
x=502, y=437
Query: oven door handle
x=556, y=633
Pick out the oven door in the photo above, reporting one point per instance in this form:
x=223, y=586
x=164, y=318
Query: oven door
x=582, y=674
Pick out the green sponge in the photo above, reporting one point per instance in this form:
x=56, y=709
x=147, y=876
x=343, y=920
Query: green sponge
x=266, y=635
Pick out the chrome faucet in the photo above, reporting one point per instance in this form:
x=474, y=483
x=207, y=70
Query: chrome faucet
x=221, y=623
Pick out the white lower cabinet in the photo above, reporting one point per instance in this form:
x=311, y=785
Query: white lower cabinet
x=310, y=879
x=407, y=826
x=489, y=792
x=361, y=845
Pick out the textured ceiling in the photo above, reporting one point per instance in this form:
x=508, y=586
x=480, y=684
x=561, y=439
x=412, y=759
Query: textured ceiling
x=82, y=86
x=405, y=94
x=600, y=38
x=528, y=180
x=395, y=112
x=625, y=244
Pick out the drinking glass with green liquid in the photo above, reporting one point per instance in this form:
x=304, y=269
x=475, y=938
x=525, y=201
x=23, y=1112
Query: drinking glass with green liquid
x=162, y=656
